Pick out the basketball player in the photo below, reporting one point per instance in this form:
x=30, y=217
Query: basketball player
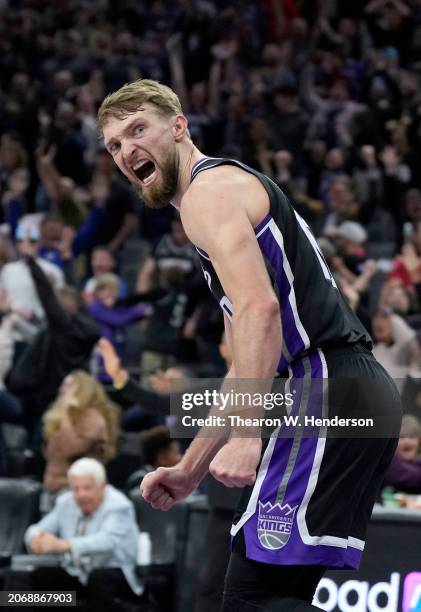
x=309, y=498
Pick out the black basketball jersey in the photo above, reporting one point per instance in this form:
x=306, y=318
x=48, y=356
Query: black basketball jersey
x=313, y=310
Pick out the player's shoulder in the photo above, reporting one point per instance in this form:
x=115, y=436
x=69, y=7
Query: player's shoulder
x=219, y=178
x=228, y=184
x=211, y=197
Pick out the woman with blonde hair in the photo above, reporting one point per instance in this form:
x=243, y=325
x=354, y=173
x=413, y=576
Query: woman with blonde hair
x=82, y=422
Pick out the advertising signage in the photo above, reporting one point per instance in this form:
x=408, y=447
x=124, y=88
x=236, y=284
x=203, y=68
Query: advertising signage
x=389, y=579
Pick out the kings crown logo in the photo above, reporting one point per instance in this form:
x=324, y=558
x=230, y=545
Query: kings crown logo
x=274, y=524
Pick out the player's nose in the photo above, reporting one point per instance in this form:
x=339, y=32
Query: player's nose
x=128, y=150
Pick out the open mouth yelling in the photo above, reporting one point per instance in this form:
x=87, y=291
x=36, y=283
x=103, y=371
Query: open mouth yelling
x=145, y=171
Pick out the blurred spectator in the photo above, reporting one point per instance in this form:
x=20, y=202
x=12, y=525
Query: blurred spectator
x=315, y=163
x=367, y=176
x=97, y=525
x=201, y=102
x=341, y=202
x=18, y=285
x=51, y=233
x=288, y=122
x=397, y=177
x=159, y=448
x=334, y=167
x=6, y=348
x=63, y=196
x=412, y=206
x=64, y=344
x=82, y=422
x=174, y=251
x=390, y=24
x=162, y=340
x=411, y=392
x=12, y=157
x=111, y=318
x=102, y=262
x=205, y=326
x=350, y=238
x=404, y=472
x=14, y=199
x=10, y=408
x=68, y=137
x=120, y=203
x=400, y=299
x=333, y=114
x=87, y=114
x=392, y=339
x=407, y=266
x=354, y=284
x=152, y=400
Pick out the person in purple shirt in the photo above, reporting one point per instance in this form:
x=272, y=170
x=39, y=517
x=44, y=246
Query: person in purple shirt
x=404, y=472
x=112, y=318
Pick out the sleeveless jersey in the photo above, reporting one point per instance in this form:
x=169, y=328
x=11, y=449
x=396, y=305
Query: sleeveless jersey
x=314, y=313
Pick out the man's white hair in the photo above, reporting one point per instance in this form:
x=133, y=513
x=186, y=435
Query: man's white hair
x=88, y=467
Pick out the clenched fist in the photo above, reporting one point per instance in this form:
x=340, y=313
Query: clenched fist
x=165, y=486
x=236, y=463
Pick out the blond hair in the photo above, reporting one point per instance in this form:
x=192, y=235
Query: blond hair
x=411, y=427
x=105, y=280
x=132, y=96
x=85, y=393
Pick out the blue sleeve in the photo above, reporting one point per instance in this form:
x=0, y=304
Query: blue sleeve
x=13, y=214
x=85, y=236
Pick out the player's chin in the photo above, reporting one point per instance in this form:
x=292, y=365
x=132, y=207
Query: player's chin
x=151, y=199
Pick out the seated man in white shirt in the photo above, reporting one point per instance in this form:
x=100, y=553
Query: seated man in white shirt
x=94, y=525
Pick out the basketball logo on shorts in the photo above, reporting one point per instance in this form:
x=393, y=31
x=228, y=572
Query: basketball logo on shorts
x=274, y=524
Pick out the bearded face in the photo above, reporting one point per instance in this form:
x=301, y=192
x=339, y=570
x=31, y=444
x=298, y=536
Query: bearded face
x=162, y=190
x=143, y=146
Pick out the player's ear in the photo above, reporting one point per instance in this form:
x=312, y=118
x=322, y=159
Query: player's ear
x=179, y=127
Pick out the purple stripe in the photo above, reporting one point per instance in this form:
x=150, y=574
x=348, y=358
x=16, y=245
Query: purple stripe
x=273, y=253
x=262, y=223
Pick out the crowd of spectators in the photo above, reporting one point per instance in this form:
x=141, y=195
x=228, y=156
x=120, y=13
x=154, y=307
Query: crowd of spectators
x=323, y=97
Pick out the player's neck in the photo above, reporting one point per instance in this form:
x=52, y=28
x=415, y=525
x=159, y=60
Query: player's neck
x=189, y=155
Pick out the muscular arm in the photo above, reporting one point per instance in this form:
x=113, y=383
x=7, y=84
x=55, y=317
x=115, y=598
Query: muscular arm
x=216, y=219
